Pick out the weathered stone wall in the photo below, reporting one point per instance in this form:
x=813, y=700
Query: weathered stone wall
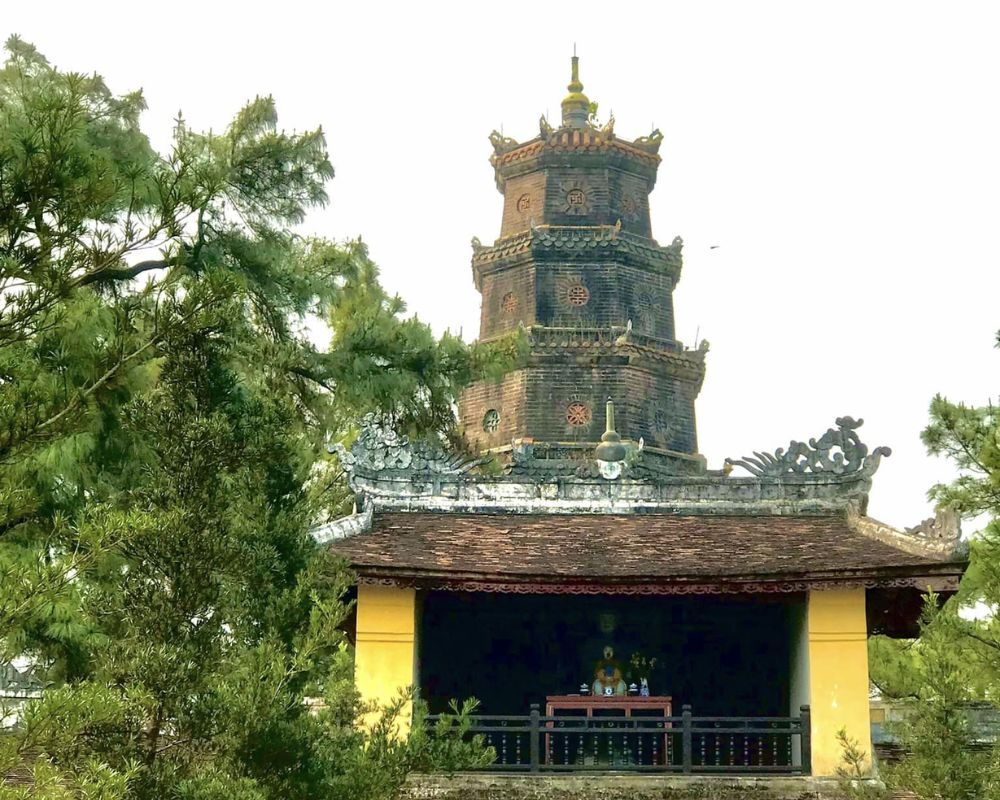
x=618, y=787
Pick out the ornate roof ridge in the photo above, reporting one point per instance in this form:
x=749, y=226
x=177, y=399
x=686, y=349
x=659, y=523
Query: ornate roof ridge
x=610, y=334
x=544, y=338
x=354, y=523
x=937, y=537
x=575, y=140
x=831, y=474
x=592, y=236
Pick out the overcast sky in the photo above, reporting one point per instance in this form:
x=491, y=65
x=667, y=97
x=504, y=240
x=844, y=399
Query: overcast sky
x=843, y=157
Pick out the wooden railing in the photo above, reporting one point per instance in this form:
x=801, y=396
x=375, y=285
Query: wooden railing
x=684, y=744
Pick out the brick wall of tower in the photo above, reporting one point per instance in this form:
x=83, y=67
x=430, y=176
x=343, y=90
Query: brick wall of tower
x=561, y=182
x=613, y=294
x=550, y=389
x=523, y=202
x=507, y=397
x=629, y=197
x=542, y=197
x=508, y=300
x=660, y=410
x=535, y=402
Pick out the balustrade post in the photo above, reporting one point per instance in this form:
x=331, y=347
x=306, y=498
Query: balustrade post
x=687, y=745
x=805, y=741
x=534, y=736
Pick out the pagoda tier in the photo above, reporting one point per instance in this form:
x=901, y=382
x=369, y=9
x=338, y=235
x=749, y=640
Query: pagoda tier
x=577, y=266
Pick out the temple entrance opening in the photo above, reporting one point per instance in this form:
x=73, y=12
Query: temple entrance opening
x=723, y=655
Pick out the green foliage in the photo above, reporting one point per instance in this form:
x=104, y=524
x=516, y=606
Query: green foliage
x=854, y=773
x=162, y=426
x=941, y=682
x=970, y=437
x=938, y=681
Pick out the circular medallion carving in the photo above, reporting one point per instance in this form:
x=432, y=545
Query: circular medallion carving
x=575, y=198
x=508, y=303
x=578, y=414
x=524, y=203
x=628, y=204
x=576, y=295
x=572, y=292
x=491, y=421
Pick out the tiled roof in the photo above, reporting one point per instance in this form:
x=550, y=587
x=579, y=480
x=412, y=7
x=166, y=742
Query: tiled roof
x=583, y=140
x=617, y=548
x=582, y=241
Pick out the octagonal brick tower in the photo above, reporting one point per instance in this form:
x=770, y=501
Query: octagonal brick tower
x=576, y=265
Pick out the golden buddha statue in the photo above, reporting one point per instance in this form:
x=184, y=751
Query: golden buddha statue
x=608, y=678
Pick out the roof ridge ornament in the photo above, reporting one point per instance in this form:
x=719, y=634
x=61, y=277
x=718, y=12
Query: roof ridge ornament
x=818, y=456
x=610, y=452
x=502, y=144
x=380, y=448
x=651, y=144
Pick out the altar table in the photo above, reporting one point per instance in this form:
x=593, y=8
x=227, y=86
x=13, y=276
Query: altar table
x=598, y=702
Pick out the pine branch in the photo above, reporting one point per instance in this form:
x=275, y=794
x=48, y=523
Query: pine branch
x=125, y=273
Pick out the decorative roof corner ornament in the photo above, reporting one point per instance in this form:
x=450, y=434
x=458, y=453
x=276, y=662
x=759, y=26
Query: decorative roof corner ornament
x=609, y=126
x=545, y=130
x=522, y=452
x=502, y=144
x=651, y=143
x=380, y=448
x=944, y=527
x=345, y=527
x=674, y=254
x=839, y=451
x=623, y=337
x=477, y=245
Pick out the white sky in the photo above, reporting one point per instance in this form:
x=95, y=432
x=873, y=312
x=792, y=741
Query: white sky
x=844, y=157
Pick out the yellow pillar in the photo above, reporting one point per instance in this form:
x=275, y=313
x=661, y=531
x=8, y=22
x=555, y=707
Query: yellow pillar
x=838, y=674
x=385, y=650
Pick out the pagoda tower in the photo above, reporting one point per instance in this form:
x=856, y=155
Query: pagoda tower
x=576, y=265
x=757, y=584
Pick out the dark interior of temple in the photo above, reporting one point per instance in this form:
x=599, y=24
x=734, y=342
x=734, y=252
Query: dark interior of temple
x=726, y=656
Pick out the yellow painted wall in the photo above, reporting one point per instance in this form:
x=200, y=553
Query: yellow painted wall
x=838, y=674
x=385, y=651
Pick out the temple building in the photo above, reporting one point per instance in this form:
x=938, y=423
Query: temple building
x=587, y=573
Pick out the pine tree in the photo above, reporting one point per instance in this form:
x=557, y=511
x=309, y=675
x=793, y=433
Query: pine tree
x=955, y=664
x=162, y=425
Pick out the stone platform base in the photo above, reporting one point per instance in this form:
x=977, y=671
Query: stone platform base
x=617, y=786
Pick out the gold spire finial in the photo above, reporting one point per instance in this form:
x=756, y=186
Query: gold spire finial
x=576, y=106
x=574, y=81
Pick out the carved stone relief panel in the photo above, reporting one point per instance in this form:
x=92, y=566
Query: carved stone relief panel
x=576, y=197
